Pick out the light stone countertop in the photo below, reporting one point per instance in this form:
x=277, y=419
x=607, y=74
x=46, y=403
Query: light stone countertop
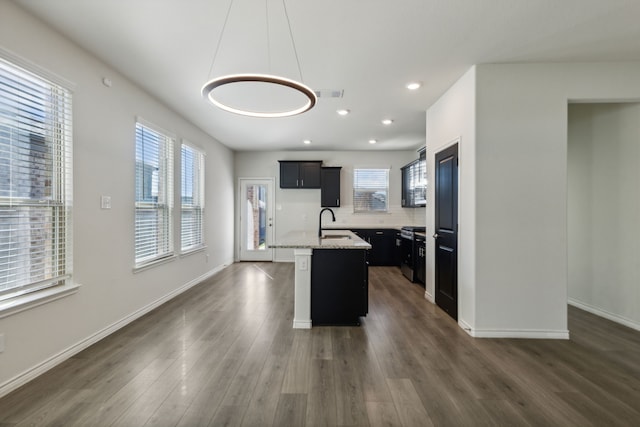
x=332, y=239
x=331, y=226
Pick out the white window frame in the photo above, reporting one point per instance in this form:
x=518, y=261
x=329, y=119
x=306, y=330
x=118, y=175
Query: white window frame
x=155, y=245
x=359, y=206
x=44, y=272
x=192, y=233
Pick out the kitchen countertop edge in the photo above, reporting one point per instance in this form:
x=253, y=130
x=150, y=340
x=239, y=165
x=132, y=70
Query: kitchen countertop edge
x=310, y=240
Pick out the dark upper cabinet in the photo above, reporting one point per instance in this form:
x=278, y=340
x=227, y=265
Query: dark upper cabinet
x=414, y=184
x=310, y=174
x=289, y=175
x=330, y=187
x=300, y=174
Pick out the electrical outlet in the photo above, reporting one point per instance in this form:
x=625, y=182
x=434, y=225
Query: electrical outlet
x=303, y=264
x=1, y=343
x=105, y=202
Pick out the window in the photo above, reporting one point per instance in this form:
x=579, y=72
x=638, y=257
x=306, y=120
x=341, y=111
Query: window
x=35, y=182
x=154, y=195
x=370, y=190
x=192, y=199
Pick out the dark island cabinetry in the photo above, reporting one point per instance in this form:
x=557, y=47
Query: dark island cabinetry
x=339, y=286
x=300, y=174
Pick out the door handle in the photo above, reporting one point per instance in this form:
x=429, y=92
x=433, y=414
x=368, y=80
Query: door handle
x=436, y=235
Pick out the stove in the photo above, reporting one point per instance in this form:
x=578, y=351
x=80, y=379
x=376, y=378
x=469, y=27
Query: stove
x=409, y=251
x=408, y=231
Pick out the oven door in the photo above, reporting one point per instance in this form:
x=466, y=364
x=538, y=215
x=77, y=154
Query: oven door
x=406, y=257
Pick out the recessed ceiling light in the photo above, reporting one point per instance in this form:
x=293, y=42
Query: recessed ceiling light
x=307, y=141
x=414, y=85
x=372, y=141
x=343, y=112
x=387, y=122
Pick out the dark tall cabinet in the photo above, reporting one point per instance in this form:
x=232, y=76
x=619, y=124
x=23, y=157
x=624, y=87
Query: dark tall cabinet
x=330, y=187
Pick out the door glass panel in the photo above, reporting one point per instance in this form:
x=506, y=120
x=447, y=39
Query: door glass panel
x=256, y=217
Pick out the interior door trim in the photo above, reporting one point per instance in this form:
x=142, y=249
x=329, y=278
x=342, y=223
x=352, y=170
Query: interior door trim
x=238, y=226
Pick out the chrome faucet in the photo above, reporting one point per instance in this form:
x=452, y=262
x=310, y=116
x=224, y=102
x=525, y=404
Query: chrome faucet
x=333, y=218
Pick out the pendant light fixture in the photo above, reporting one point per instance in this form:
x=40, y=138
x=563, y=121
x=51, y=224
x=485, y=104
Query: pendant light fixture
x=268, y=79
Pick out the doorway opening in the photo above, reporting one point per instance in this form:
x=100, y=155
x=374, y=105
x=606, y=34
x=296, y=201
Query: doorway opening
x=603, y=207
x=256, y=219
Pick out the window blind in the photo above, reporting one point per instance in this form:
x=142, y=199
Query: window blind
x=154, y=195
x=370, y=190
x=35, y=182
x=192, y=198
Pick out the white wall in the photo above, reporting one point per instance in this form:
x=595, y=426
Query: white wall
x=603, y=210
x=520, y=194
x=451, y=120
x=298, y=209
x=104, y=150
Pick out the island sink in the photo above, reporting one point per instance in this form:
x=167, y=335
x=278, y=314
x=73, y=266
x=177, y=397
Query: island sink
x=335, y=236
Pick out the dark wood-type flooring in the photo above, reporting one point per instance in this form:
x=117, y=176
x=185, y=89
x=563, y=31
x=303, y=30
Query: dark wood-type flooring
x=225, y=354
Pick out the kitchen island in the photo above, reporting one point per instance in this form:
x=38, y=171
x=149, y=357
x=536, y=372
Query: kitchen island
x=330, y=277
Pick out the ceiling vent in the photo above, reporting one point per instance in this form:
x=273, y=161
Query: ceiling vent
x=329, y=93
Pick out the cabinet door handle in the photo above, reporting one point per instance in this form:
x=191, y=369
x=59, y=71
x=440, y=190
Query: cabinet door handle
x=302, y=185
x=436, y=235
x=297, y=183
x=338, y=202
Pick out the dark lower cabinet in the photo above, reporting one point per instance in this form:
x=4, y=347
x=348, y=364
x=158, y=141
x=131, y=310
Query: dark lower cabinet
x=339, y=286
x=383, y=245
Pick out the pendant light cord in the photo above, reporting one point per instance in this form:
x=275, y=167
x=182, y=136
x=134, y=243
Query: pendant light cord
x=266, y=16
x=224, y=26
x=293, y=42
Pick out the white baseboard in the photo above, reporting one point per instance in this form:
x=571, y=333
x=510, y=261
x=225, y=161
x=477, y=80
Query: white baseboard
x=39, y=369
x=301, y=324
x=513, y=333
x=429, y=297
x=606, y=314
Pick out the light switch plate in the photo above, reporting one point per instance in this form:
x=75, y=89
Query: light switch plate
x=105, y=202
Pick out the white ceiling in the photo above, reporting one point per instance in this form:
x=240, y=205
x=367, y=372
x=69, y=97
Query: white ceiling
x=368, y=48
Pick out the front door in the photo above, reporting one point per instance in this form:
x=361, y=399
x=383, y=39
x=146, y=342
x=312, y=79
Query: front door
x=256, y=219
x=446, y=230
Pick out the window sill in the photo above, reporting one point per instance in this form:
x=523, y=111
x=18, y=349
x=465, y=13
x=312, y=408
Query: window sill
x=154, y=263
x=34, y=299
x=193, y=251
